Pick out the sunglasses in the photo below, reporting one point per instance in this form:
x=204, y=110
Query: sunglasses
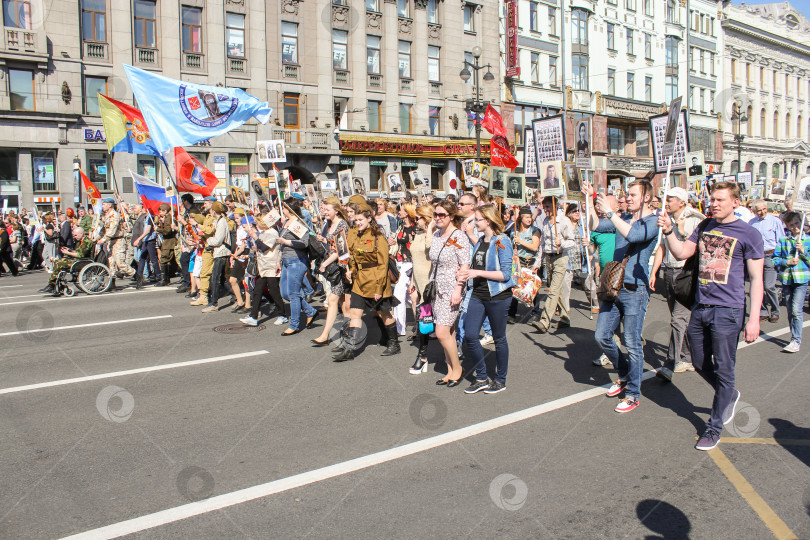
x=440, y=216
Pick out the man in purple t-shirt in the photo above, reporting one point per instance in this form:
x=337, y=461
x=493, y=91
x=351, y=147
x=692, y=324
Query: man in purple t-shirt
x=729, y=248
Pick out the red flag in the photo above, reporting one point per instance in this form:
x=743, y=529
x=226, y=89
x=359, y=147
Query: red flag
x=191, y=174
x=89, y=187
x=499, y=154
x=493, y=122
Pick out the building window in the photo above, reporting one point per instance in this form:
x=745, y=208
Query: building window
x=703, y=100
x=763, y=170
x=373, y=54
x=703, y=62
x=403, y=8
x=711, y=63
x=145, y=22
x=672, y=52
x=404, y=118
x=192, y=30
x=535, y=67
x=17, y=14
x=533, y=17
x=711, y=102
x=433, y=63
x=98, y=170
x=648, y=89
x=762, y=130
x=611, y=36
x=642, y=142
x=291, y=111
x=93, y=20
x=579, y=27
x=733, y=70
x=289, y=43
x=648, y=46
x=787, y=126
x=580, y=70
x=747, y=70
x=648, y=8
x=672, y=11
x=372, y=5
x=433, y=11
x=469, y=21
x=434, y=115
x=671, y=87
x=631, y=86
x=43, y=170
x=235, y=34
x=340, y=39
x=552, y=70
x=21, y=89
x=147, y=166
x=552, y=21
x=776, y=124
x=691, y=98
x=615, y=138
x=611, y=87
x=630, y=49
x=799, y=127
x=630, y=4
x=374, y=113
x=93, y=86
x=775, y=87
x=405, y=59
x=775, y=170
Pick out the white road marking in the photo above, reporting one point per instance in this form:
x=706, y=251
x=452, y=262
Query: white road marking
x=179, y=513
x=86, y=325
x=22, y=296
x=9, y=286
x=769, y=336
x=80, y=295
x=63, y=382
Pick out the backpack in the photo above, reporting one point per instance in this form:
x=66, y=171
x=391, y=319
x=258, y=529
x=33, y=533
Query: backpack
x=230, y=235
x=316, y=251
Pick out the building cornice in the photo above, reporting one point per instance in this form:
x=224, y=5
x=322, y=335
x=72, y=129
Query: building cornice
x=767, y=37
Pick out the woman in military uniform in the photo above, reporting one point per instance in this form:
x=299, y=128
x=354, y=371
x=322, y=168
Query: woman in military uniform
x=371, y=286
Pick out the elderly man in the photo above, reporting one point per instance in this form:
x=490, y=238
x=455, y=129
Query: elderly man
x=686, y=220
x=113, y=236
x=772, y=231
x=84, y=250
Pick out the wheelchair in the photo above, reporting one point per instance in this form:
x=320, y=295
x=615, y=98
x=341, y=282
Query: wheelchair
x=87, y=275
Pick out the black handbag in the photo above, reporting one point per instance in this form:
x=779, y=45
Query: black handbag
x=685, y=284
x=429, y=293
x=252, y=266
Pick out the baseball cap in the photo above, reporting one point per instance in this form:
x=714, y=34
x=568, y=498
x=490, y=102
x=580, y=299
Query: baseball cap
x=678, y=193
x=210, y=198
x=297, y=196
x=108, y=200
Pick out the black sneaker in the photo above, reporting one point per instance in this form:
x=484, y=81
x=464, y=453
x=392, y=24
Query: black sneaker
x=495, y=387
x=477, y=386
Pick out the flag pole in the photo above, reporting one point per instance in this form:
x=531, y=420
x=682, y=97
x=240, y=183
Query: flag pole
x=117, y=194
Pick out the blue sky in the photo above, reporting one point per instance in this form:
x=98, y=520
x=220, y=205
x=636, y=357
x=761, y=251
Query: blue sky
x=801, y=5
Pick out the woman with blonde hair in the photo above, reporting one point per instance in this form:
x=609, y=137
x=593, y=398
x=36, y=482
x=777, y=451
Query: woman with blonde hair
x=420, y=250
x=268, y=262
x=491, y=273
x=401, y=241
x=335, y=225
x=449, y=253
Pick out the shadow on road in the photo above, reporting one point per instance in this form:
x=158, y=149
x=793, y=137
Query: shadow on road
x=667, y=521
x=787, y=430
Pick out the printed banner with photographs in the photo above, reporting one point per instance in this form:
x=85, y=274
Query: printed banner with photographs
x=756, y=193
x=345, y=183
x=467, y=169
x=573, y=184
x=550, y=183
x=549, y=140
x=745, y=179
x=658, y=127
x=497, y=187
x=272, y=151
x=328, y=185
x=529, y=155
x=614, y=187
x=238, y=196
x=582, y=151
x=672, y=123
x=417, y=179
x=515, y=188
x=801, y=196
x=396, y=189
x=359, y=186
x=695, y=166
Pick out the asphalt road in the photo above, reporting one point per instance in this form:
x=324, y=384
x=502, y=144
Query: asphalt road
x=127, y=414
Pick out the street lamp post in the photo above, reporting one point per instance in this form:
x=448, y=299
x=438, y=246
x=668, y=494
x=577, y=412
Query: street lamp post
x=476, y=104
x=740, y=117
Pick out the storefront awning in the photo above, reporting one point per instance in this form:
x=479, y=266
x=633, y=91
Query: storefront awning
x=46, y=200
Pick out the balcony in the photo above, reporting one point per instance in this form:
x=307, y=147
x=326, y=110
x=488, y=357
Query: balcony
x=435, y=89
x=318, y=141
x=237, y=65
x=95, y=50
x=341, y=76
x=193, y=61
x=290, y=72
x=405, y=85
x=21, y=44
x=374, y=80
x=146, y=57
x=674, y=29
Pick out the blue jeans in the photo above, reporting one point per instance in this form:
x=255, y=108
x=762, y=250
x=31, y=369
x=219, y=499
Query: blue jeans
x=713, y=334
x=632, y=306
x=185, y=260
x=794, y=300
x=462, y=318
x=148, y=251
x=477, y=312
x=293, y=272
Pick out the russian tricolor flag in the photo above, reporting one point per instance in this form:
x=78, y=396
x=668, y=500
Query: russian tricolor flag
x=152, y=194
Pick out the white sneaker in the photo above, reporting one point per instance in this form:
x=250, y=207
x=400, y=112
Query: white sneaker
x=249, y=321
x=601, y=361
x=487, y=340
x=792, y=347
x=682, y=367
x=280, y=321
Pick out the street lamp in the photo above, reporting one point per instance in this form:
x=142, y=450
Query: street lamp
x=740, y=117
x=476, y=105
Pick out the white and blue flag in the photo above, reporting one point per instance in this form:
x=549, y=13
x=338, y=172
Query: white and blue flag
x=181, y=114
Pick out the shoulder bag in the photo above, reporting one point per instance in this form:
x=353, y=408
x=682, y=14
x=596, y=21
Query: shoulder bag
x=429, y=294
x=685, y=285
x=611, y=281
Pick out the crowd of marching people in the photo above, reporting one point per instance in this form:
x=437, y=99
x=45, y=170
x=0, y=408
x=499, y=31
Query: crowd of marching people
x=457, y=270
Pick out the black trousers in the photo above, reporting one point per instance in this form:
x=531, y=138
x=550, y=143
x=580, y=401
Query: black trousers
x=7, y=259
x=274, y=290
x=217, y=273
x=36, y=256
x=185, y=260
